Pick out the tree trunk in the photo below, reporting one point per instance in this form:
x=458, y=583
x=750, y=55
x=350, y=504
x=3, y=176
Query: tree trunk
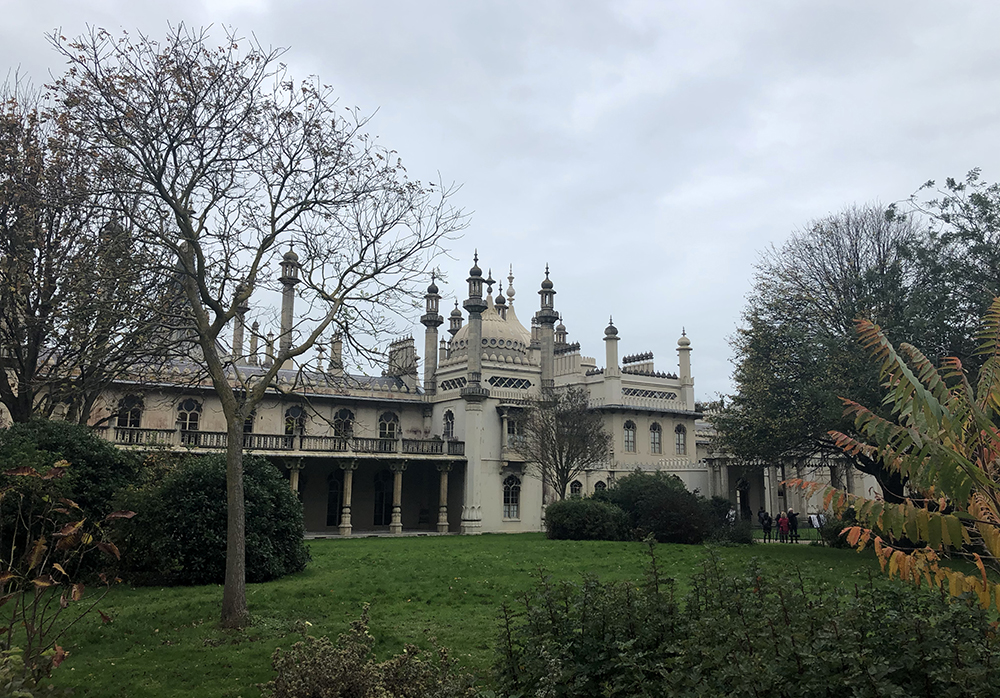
x=234, y=593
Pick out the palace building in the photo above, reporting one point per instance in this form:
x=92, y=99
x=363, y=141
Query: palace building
x=433, y=450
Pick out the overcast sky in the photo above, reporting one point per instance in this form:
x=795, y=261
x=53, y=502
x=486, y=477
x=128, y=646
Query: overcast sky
x=647, y=151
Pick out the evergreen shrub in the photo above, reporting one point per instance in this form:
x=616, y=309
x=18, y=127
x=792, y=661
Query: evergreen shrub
x=586, y=519
x=178, y=535
x=97, y=470
x=660, y=504
x=744, y=634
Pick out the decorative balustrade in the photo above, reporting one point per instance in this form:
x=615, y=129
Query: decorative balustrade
x=306, y=443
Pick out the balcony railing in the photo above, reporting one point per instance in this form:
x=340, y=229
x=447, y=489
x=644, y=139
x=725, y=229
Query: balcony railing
x=306, y=443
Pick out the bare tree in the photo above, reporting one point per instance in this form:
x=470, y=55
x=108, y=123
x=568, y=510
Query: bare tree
x=232, y=162
x=563, y=437
x=68, y=271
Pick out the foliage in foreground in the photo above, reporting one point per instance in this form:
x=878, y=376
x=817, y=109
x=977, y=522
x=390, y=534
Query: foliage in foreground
x=945, y=443
x=319, y=668
x=47, y=539
x=179, y=535
x=746, y=634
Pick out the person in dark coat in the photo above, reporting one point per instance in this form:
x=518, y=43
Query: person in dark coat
x=766, y=523
x=793, y=526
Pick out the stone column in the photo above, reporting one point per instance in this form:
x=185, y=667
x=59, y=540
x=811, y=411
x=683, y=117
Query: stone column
x=293, y=476
x=345, y=513
x=442, y=524
x=396, y=524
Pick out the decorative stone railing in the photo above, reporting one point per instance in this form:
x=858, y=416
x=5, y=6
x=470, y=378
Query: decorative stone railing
x=306, y=443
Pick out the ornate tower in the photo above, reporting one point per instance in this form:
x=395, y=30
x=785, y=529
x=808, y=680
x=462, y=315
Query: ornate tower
x=612, y=373
x=474, y=394
x=289, y=277
x=431, y=320
x=547, y=317
x=687, y=382
x=242, y=306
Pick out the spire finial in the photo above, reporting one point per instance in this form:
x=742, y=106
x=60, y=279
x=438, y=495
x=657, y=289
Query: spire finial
x=683, y=332
x=475, y=256
x=510, y=285
x=489, y=282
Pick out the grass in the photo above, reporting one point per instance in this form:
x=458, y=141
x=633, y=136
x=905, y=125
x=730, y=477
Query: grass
x=166, y=642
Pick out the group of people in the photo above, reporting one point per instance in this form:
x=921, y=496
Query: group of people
x=787, y=524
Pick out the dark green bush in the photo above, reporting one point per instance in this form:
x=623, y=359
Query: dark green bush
x=586, y=519
x=832, y=527
x=97, y=469
x=746, y=634
x=178, y=535
x=660, y=504
x=318, y=668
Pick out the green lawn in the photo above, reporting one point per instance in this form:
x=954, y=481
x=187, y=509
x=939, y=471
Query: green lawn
x=166, y=642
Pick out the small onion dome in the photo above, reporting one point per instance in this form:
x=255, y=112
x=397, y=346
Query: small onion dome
x=611, y=330
x=683, y=341
x=475, y=271
x=290, y=256
x=456, y=312
x=501, y=300
x=433, y=287
x=547, y=284
x=560, y=327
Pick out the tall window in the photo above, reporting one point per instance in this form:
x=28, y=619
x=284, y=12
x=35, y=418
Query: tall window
x=388, y=426
x=383, y=498
x=188, y=415
x=295, y=421
x=343, y=424
x=680, y=440
x=655, y=438
x=449, y=425
x=600, y=486
x=335, y=497
x=512, y=497
x=513, y=432
x=130, y=411
x=630, y=436
x=575, y=489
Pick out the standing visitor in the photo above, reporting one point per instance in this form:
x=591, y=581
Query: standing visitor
x=793, y=526
x=766, y=523
x=782, y=528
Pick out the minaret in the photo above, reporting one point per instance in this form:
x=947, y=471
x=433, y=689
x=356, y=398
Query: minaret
x=475, y=305
x=289, y=277
x=474, y=394
x=547, y=317
x=560, y=333
x=612, y=373
x=254, y=339
x=239, y=328
x=687, y=382
x=431, y=320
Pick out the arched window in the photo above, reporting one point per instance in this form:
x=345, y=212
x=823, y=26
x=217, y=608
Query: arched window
x=189, y=415
x=295, y=421
x=335, y=497
x=188, y=420
x=630, y=436
x=680, y=440
x=448, y=431
x=600, y=486
x=343, y=424
x=383, y=498
x=575, y=489
x=130, y=412
x=388, y=426
x=655, y=438
x=512, y=497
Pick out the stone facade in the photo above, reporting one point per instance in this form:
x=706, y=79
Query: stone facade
x=435, y=452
